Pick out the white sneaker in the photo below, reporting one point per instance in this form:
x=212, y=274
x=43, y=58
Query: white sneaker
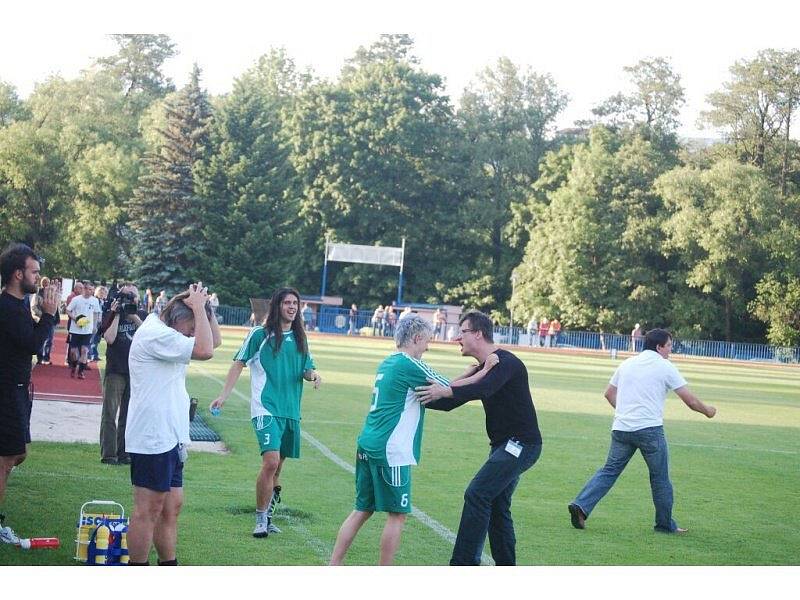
x=272, y=528
x=261, y=530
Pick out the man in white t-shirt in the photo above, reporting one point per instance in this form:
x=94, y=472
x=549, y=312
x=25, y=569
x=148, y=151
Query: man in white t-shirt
x=637, y=391
x=157, y=431
x=84, y=312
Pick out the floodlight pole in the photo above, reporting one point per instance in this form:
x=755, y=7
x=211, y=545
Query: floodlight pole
x=324, y=268
x=400, y=277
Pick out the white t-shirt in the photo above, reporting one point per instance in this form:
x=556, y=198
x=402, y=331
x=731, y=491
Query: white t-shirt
x=89, y=308
x=642, y=383
x=158, y=414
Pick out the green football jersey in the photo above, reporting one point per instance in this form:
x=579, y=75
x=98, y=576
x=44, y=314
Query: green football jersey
x=276, y=381
x=392, y=433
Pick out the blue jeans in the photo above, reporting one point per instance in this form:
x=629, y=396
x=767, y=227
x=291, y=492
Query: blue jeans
x=487, y=507
x=653, y=446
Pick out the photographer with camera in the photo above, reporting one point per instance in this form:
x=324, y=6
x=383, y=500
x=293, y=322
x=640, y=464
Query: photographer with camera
x=119, y=326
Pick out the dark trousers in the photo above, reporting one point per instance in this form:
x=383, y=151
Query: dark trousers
x=487, y=507
x=116, y=395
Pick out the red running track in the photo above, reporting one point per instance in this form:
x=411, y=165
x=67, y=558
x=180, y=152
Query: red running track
x=53, y=382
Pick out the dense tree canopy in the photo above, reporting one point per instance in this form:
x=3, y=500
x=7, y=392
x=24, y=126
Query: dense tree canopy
x=115, y=174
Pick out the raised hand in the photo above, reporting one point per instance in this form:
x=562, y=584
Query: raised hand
x=51, y=297
x=198, y=296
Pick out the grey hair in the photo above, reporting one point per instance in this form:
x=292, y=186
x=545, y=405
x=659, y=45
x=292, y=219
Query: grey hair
x=410, y=326
x=176, y=310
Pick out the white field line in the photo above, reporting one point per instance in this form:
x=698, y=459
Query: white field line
x=423, y=517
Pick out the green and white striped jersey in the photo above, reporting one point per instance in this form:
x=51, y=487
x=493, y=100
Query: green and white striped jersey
x=392, y=433
x=276, y=382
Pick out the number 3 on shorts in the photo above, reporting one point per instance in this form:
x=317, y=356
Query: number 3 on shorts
x=404, y=500
x=266, y=439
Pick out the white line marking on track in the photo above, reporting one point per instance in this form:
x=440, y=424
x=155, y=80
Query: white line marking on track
x=423, y=517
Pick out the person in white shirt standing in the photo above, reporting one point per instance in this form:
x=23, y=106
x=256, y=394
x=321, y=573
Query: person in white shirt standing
x=84, y=312
x=638, y=391
x=157, y=431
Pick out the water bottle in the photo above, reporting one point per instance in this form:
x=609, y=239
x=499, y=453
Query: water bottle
x=41, y=542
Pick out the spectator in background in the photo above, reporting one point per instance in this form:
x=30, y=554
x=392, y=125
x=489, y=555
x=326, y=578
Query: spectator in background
x=149, y=301
x=437, y=326
x=160, y=302
x=119, y=325
x=43, y=355
x=20, y=338
x=442, y=325
x=390, y=319
x=406, y=313
x=77, y=290
x=533, y=328
x=544, y=327
x=636, y=338
x=307, y=315
x=353, y=317
x=157, y=430
x=85, y=312
x=555, y=325
x=100, y=292
x=377, y=321
x=214, y=302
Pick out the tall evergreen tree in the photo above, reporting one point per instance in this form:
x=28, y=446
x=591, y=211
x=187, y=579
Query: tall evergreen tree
x=164, y=208
x=244, y=183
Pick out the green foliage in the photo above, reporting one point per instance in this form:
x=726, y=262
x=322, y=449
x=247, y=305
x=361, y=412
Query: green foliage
x=593, y=259
x=507, y=117
x=720, y=219
x=375, y=155
x=654, y=103
x=167, y=244
x=244, y=181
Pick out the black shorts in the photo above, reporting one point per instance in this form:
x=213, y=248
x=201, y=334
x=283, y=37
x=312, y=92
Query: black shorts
x=78, y=340
x=158, y=472
x=15, y=419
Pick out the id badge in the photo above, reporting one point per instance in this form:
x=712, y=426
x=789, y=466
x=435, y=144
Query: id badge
x=514, y=448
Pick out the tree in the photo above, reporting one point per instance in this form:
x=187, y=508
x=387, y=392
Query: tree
x=655, y=101
x=375, y=155
x=719, y=222
x=137, y=66
x=163, y=210
x=507, y=117
x=755, y=106
x=244, y=182
x=593, y=258
x=11, y=107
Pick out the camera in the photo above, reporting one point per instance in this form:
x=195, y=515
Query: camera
x=126, y=303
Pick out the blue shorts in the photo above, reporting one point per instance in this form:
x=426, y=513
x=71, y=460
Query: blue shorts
x=158, y=472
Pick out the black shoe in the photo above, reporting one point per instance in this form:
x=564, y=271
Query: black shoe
x=109, y=461
x=124, y=461
x=577, y=517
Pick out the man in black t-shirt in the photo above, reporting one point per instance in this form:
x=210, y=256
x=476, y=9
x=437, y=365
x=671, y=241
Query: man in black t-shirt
x=20, y=338
x=514, y=439
x=119, y=326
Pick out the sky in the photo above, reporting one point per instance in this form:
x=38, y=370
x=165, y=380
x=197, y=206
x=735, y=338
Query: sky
x=583, y=45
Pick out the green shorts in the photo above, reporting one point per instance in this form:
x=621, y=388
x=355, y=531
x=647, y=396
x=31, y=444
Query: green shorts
x=381, y=488
x=278, y=434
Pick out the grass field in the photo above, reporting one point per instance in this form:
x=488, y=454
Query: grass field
x=736, y=477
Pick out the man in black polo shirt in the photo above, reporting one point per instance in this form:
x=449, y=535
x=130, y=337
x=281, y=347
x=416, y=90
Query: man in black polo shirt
x=514, y=439
x=20, y=339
